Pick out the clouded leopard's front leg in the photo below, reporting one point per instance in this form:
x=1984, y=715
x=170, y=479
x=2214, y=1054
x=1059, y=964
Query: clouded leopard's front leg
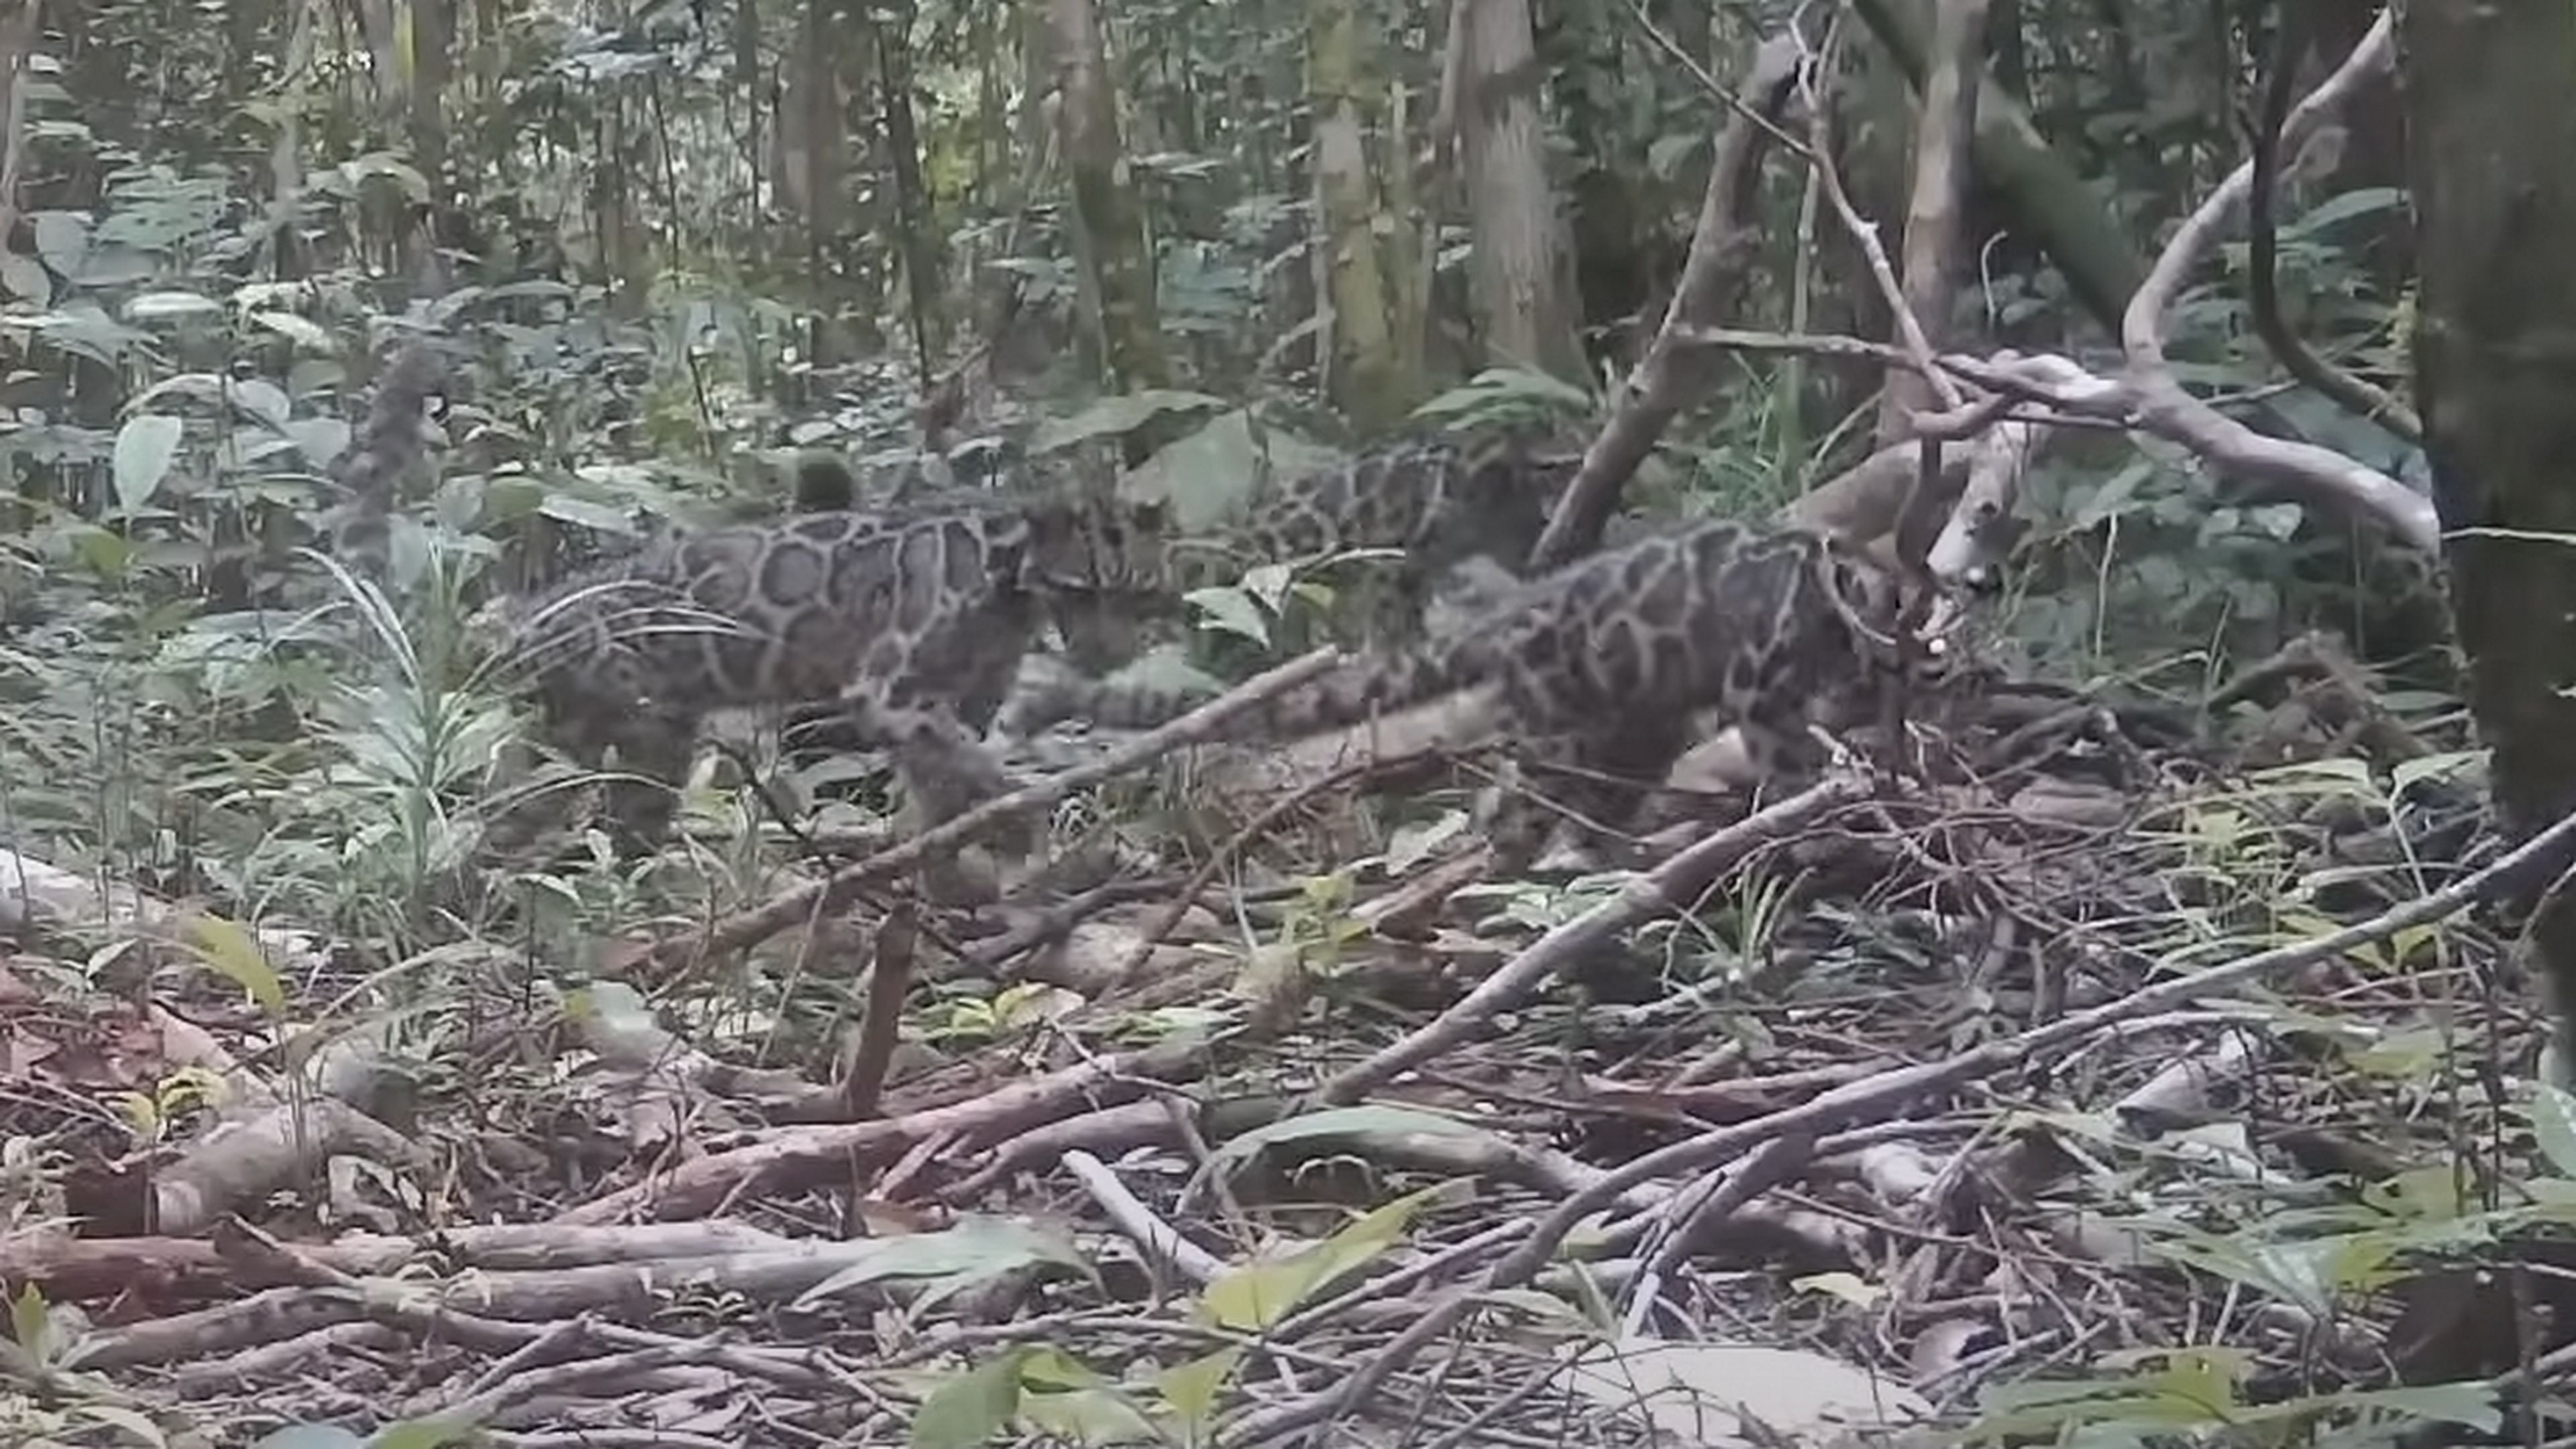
x=945, y=771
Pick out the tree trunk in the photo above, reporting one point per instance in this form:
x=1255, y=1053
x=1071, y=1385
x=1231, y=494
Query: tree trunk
x=1520, y=285
x=2049, y=199
x=1108, y=222
x=1361, y=372
x=1934, y=213
x=2489, y=130
x=893, y=35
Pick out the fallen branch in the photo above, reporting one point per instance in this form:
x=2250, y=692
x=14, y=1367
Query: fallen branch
x=1889, y=1093
x=795, y=1155
x=747, y=928
x=2304, y=470
x=1667, y=888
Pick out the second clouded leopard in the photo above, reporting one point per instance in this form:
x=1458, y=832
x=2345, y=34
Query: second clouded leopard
x=1460, y=514
x=1600, y=666
x=1443, y=504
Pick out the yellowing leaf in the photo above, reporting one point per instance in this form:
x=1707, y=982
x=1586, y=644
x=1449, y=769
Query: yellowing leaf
x=233, y=953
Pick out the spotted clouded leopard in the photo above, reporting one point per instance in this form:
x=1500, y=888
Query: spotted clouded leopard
x=1600, y=666
x=911, y=618
x=1444, y=504
x=1460, y=515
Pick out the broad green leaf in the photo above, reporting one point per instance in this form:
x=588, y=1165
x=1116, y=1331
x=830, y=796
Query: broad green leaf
x=26, y=277
x=422, y=1434
x=1339, y=1122
x=234, y=954
x=1269, y=583
x=309, y=1436
x=302, y=331
x=617, y=1005
x=1231, y=610
x=1117, y=416
x=1849, y=1287
x=971, y=1251
x=28, y=1322
x=2553, y=1123
x=261, y=399
x=566, y=509
x=1257, y=1295
x=972, y=1406
x=1089, y=1416
x=1191, y=1388
x=145, y=447
x=132, y=1421
x=62, y=238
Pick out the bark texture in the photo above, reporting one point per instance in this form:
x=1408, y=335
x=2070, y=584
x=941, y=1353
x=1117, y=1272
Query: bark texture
x=2489, y=129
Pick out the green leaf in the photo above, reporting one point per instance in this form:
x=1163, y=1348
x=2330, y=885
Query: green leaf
x=1191, y=1388
x=1117, y=417
x=132, y=1421
x=971, y=1407
x=28, y=1322
x=26, y=277
x=309, y=1436
x=301, y=331
x=1089, y=1416
x=233, y=953
x=1231, y=610
x=2553, y=1123
x=1255, y=1296
x=422, y=1434
x=145, y=447
x=1340, y=1122
x=971, y=1251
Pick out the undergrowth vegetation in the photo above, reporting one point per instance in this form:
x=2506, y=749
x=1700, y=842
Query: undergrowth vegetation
x=1170, y=1155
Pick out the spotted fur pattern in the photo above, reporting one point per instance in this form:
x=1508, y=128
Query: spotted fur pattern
x=912, y=620
x=1599, y=668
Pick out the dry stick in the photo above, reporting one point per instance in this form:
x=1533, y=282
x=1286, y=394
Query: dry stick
x=746, y=928
x=2165, y=409
x=1722, y=243
x=1253, y=829
x=1668, y=887
x=1844, y=1104
x=1909, y=328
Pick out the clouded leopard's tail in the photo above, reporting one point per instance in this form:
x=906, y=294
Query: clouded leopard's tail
x=1358, y=690
x=386, y=445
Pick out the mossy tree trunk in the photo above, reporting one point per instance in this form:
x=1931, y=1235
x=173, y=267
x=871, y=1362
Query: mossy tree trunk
x=1118, y=262
x=1363, y=371
x=1520, y=280
x=2490, y=123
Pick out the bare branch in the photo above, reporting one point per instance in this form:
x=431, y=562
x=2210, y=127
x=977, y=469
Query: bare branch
x=1671, y=372
x=782, y=912
x=2263, y=291
x=2312, y=474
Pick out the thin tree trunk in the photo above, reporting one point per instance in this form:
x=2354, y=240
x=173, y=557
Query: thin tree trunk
x=1519, y=280
x=1934, y=228
x=1110, y=222
x=1358, y=354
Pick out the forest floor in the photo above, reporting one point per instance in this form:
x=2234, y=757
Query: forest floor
x=2103, y=1080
